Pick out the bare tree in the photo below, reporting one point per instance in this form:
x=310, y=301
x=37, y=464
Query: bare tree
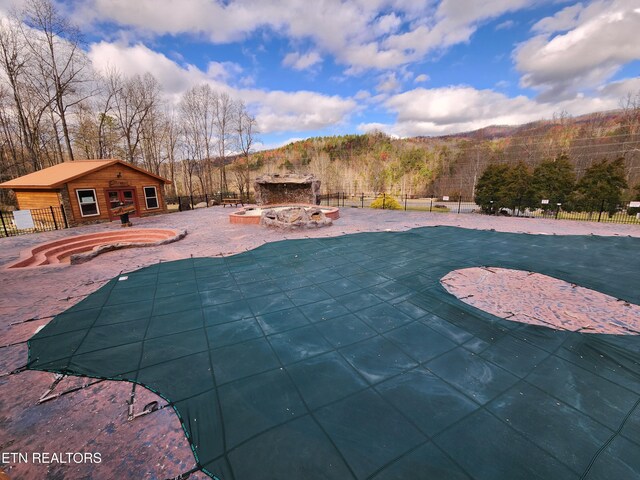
x=154, y=129
x=246, y=128
x=171, y=138
x=133, y=100
x=630, y=106
x=14, y=62
x=55, y=46
x=197, y=108
x=223, y=121
x=106, y=122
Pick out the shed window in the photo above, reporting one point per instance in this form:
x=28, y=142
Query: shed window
x=88, y=203
x=151, y=197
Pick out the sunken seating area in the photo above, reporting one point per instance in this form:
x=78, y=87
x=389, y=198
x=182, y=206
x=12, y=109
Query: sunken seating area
x=82, y=248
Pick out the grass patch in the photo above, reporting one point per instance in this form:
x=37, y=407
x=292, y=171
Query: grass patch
x=435, y=209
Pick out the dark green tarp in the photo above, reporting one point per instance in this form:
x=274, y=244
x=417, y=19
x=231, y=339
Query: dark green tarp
x=345, y=358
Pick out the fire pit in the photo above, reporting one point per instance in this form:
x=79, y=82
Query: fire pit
x=252, y=215
x=294, y=217
x=287, y=201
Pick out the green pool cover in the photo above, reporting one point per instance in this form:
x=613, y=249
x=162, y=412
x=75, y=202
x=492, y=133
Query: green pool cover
x=344, y=358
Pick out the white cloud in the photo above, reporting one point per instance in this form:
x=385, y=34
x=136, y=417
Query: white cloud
x=301, y=62
x=621, y=88
x=469, y=11
x=139, y=59
x=378, y=34
x=564, y=20
x=423, y=77
x=388, y=83
x=279, y=111
x=593, y=43
x=275, y=111
x=440, y=111
x=506, y=25
x=387, y=24
x=454, y=21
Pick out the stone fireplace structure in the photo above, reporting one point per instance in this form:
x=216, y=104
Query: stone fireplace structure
x=290, y=188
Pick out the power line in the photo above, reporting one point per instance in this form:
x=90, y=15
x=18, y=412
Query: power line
x=592, y=145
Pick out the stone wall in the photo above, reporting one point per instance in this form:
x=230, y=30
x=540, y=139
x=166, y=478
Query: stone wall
x=66, y=204
x=290, y=188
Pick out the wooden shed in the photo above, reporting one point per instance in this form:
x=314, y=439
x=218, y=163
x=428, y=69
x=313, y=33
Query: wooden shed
x=90, y=189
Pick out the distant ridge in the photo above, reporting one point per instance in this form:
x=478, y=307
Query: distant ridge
x=491, y=132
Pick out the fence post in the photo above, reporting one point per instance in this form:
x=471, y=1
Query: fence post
x=179, y=204
x=4, y=226
x=459, y=202
x=601, y=210
x=405, y=202
x=191, y=198
x=558, y=210
x=53, y=215
x=431, y=204
x=206, y=199
x=361, y=199
x=384, y=199
x=64, y=216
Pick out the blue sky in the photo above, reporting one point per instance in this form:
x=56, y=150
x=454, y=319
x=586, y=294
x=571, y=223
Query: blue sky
x=308, y=68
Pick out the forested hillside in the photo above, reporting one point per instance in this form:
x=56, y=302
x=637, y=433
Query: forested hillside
x=451, y=165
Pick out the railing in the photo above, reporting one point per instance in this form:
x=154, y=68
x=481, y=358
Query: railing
x=597, y=211
x=189, y=202
x=21, y=222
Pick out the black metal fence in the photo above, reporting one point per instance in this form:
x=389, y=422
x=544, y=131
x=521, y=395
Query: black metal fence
x=189, y=202
x=29, y=221
x=597, y=211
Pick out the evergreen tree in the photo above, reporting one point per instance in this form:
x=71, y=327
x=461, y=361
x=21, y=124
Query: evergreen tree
x=490, y=188
x=601, y=187
x=516, y=192
x=552, y=180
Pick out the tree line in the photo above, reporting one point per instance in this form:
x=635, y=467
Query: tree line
x=552, y=185
x=55, y=107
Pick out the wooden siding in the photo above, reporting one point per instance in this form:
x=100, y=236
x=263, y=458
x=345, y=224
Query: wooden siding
x=32, y=199
x=107, y=179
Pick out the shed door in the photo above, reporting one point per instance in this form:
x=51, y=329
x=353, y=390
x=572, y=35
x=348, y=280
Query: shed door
x=124, y=195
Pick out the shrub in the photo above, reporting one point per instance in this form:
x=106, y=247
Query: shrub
x=390, y=203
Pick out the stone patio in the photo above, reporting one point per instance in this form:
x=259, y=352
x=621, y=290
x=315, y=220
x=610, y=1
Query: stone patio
x=94, y=419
